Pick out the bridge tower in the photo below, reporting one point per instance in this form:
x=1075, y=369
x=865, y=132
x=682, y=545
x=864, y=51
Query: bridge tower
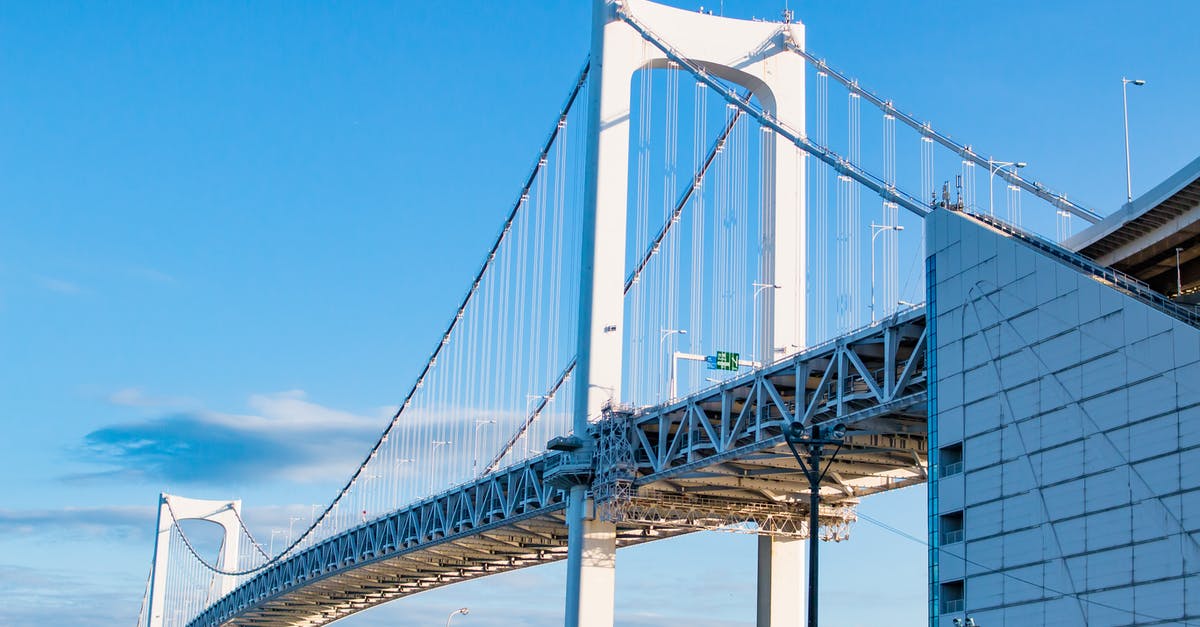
x=751, y=54
x=173, y=509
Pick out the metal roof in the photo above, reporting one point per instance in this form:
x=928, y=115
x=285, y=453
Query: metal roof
x=1142, y=236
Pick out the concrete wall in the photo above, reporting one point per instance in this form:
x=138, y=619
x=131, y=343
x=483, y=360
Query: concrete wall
x=1077, y=410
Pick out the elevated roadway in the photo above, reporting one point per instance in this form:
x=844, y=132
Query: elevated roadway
x=713, y=459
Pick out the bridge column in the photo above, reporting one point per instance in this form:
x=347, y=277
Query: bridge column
x=754, y=55
x=591, y=566
x=748, y=53
x=227, y=514
x=781, y=582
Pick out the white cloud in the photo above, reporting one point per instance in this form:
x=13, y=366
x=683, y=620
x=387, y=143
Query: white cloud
x=134, y=522
x=285, y=436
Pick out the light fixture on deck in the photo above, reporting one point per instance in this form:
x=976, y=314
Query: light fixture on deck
x=1125, y=107
x=993, y=168
x=814, y=438
x=876, y=229
x=664, y=334
x=462, y=610
x=758, y=288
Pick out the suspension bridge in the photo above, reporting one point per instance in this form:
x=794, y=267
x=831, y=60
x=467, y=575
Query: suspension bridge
x=679, y=279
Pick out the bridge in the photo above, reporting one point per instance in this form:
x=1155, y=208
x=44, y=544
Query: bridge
x=678, y=283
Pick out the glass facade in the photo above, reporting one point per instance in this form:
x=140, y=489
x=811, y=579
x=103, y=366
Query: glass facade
x=931, y=377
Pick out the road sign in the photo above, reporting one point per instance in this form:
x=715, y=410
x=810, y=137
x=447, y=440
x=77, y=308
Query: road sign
x=727, y=361
x=711, y=361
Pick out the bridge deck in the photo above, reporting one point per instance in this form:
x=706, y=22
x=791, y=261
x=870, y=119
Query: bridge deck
x=713, y=459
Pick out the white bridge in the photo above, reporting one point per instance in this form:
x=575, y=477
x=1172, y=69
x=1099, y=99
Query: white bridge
x=689, y=201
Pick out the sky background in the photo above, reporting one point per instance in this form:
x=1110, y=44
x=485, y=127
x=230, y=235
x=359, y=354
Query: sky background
x=236, y=230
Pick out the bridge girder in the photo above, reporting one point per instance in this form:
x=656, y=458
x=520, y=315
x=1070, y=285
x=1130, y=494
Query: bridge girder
x=714, y=460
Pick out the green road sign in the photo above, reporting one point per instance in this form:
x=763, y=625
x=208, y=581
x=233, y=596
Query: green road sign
x=727, y=361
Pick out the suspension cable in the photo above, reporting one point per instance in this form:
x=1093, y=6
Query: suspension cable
x=925, y=129
x=833, y=159
x=474, y=288
x=686, y=196
x=196, y=554
x=651, y=250
x=539, y=163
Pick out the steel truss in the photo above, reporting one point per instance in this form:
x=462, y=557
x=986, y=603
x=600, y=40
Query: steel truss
x=504, y=521
x=716, y=459
x=722, y=450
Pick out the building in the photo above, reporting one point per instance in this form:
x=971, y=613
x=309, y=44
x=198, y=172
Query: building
x=1065, y=418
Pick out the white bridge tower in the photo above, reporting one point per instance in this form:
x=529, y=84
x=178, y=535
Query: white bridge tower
x=171, y=510
x=754, y=55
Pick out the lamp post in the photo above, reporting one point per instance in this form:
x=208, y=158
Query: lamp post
x=475, y=446
x=815, y=440
x=1125, y=107
x=1178, y=273
x=401, y=483
x=291, y=526
x=433, y=460
x=876, y=229
x=666, y=333
x=758, y=288
x=462, y=610
x=530, y=416
x=368, y=504
x=996, y=166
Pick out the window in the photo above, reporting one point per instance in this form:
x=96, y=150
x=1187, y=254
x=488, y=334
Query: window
x=953, y=597
x=951, y=459
x=952, y=527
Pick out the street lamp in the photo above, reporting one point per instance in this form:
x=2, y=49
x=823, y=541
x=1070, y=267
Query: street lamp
x=531, y=416
x=462, y=610
x=433, y=459
x=996, y=166
x=367, y=497
x=475, y=446
x=815, y=440
x=666, y=333
x=291, y=525
x=1178, y=273
x=758, y=288
x=876, y=229
x=1125, y=105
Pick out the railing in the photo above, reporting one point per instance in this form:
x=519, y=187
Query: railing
x=952, y=537
x=1119, y=280
x=952, y=606
x=952, y=469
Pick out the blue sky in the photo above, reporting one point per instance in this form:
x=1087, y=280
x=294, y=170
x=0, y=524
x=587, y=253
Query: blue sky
x=237, y=229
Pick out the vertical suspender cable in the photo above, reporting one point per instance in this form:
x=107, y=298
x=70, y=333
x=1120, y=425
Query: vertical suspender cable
x=696, y=331
x=855, y=250
x=819, y=175
x=891, y=217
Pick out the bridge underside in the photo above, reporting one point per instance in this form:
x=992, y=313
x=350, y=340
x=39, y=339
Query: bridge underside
x=723, y=449
x=716, y=459
x=536, y=538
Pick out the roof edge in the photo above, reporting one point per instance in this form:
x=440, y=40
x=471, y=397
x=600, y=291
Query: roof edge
x=1130, y=210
